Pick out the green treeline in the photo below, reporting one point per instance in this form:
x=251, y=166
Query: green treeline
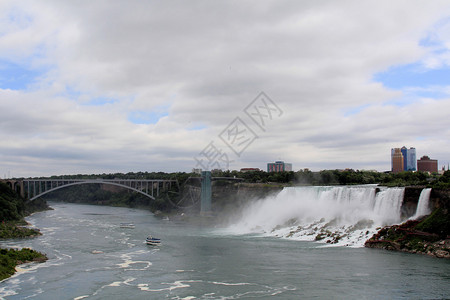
x=180, y=176
x=344, y=177
x=302, y=177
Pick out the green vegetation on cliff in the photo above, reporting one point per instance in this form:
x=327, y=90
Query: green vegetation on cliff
x=10, y=258
x=437, y=223
x=429, y=235
x=13, y=209
x=13, y=230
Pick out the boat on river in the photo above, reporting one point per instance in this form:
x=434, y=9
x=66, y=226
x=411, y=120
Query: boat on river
x=127, y=225
x=153, y=241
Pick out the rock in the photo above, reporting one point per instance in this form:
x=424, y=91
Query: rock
x=442, y=254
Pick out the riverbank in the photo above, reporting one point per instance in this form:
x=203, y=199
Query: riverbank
x=14, y=230
x=429, y=235
x=13, y=209
x=11, y=258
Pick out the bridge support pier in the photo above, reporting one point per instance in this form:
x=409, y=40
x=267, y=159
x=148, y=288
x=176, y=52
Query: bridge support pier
x=205, y=208
x=15, y=185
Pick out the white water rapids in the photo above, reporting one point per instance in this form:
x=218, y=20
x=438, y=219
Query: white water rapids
x=343, y=215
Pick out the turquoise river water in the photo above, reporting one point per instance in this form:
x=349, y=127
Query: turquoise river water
x=91, y=257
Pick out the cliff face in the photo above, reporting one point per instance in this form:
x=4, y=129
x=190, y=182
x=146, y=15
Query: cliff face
x=227, y=197
x=227, y=200
x=440, y=199
x=410, y=200
x=238, y=194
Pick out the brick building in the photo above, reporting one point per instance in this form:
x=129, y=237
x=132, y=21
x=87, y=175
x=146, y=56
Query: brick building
x=425, y=164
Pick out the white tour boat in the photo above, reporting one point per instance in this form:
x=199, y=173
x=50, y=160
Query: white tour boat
x=126, y=225
x=153, y=241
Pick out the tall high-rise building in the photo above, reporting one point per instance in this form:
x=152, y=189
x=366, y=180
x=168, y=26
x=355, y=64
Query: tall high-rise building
x=412, y=166
x=279, y=166
x=425, y=164
x=397, y=160
x=409, y=158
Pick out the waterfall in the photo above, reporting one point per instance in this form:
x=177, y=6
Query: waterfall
x=341, y=215
x=423, y=206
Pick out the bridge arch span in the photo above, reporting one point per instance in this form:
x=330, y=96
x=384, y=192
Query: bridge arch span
x=148, y=187
x=91, y=182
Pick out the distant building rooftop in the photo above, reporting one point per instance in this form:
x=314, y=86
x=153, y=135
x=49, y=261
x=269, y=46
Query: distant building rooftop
x=250, y=169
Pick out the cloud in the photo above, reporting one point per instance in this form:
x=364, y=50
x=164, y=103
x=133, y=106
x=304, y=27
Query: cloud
x=146, y=85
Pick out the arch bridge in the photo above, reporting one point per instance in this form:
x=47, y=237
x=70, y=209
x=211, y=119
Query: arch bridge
x=150, y=188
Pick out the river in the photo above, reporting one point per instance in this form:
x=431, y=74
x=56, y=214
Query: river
x=91, y=257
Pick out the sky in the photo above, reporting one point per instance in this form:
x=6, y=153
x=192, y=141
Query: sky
x=92, y=87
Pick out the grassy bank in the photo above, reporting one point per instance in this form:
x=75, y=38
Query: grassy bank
x=14, y=230
x=10, y=258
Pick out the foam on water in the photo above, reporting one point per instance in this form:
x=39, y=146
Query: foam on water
x=341, y=215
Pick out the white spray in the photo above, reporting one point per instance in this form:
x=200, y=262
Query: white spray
x=341, y=215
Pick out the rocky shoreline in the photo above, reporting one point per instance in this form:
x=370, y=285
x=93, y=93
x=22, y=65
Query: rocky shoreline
x=428, y=235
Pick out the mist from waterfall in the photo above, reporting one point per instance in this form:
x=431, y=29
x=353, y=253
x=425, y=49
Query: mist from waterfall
x=341, y=215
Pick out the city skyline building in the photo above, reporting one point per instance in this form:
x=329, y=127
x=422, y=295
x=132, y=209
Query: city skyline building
x=409, y=158
x=426, y=164
x=279, y=166
x=397, y=160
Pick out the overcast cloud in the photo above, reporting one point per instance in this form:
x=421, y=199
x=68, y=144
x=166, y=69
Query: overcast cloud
x=119, y=86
